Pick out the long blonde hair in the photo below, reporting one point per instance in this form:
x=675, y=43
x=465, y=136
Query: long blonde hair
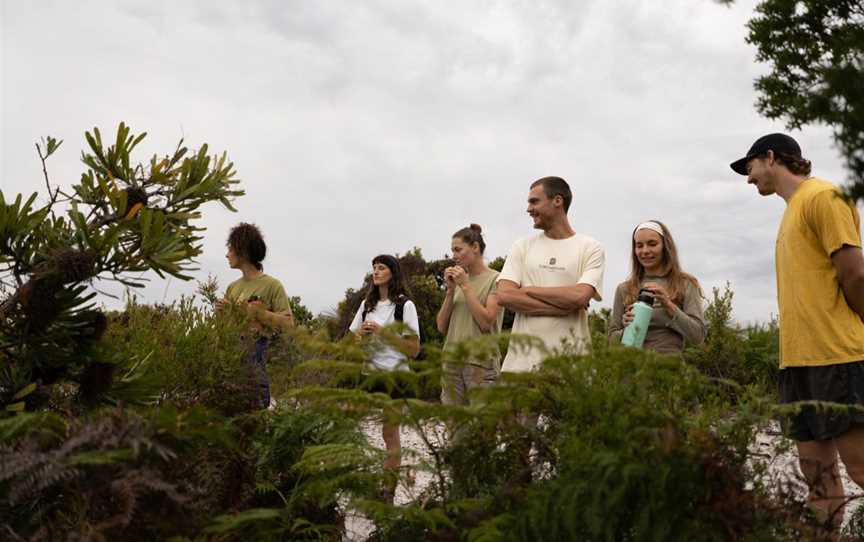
x=677, y=278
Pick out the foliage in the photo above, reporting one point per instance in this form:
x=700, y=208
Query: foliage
x=661, y=448
x=652, y=454
x=121, y=220
x=189, y=355
x=289, y=504
x=99, y=477
x=302, y=315
x=814, y=49
x=747, y=356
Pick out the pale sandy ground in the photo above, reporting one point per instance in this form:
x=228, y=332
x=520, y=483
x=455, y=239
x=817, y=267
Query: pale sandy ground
x=782, y=465
x=358, y=527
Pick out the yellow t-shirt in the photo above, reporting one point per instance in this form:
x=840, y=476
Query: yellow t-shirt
x=817, y=326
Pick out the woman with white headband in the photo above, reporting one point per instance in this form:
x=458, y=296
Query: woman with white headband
x=678, y=315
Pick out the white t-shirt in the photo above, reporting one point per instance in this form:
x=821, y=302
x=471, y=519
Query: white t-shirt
x=384, y=356
x=542, y=261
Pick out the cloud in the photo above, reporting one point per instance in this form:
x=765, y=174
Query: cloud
x=368, y=127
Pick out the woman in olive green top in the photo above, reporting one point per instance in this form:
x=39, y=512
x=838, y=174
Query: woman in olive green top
x=470, y=310
x=678, y=315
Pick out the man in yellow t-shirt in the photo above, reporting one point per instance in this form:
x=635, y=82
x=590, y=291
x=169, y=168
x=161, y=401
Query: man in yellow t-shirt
x=820, y=294
x=262, y=295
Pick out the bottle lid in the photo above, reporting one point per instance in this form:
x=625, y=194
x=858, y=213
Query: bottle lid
x=646, y=297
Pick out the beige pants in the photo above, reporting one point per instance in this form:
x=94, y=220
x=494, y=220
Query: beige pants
x=456, y=382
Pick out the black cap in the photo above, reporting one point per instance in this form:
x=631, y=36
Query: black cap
x=781, y=143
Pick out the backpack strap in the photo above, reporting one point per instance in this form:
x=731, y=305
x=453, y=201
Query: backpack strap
x=399, y=312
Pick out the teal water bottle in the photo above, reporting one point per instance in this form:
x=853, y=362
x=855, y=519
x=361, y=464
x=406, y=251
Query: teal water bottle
x=634, y=334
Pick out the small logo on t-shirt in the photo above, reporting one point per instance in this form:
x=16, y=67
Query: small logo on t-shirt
x=551, y=265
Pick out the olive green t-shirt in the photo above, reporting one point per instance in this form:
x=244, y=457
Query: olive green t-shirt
x=462, y=324
x=268, y=290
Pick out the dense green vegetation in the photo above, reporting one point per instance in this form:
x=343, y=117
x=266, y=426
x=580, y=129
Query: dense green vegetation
x=630, y=445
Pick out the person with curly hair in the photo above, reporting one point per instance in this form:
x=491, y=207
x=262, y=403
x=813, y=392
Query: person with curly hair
x=263, y=297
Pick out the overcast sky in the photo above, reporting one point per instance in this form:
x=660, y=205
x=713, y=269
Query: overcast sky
x=376, y=126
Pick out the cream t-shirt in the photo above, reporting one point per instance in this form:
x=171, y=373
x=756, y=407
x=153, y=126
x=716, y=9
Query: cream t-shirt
x=542, y=261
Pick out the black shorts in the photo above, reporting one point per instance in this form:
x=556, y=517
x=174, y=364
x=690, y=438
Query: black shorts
x=400, y=388
x=842, y=383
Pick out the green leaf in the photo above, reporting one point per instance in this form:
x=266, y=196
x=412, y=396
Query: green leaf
x=227, y=523
x=100, y=457
x=25, y=391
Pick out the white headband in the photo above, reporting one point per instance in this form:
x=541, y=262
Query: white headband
x=653, y=226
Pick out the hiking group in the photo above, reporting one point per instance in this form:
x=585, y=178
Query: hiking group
x=549, y=280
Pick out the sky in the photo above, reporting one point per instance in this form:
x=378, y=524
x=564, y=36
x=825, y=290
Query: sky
x=361, y=128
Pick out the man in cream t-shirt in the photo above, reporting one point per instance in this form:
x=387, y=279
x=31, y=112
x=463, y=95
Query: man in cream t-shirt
x=549, y=279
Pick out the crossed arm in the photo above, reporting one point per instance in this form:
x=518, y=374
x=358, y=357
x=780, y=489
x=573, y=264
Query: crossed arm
x=544, y=301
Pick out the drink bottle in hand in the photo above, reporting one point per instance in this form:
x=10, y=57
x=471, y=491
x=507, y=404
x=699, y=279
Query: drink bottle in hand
x=634, y=334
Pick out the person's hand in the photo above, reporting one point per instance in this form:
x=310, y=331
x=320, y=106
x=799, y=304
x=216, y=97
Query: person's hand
x=448, y=278
x=254, y=308
x=628, y=316
x=460, y=277
x=662, y=296
x=369, y=327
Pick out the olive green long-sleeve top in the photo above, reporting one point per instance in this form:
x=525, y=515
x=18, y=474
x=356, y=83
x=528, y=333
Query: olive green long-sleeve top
x=666, y=333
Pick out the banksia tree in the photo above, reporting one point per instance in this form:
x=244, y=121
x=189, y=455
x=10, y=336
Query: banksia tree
x=120, y=220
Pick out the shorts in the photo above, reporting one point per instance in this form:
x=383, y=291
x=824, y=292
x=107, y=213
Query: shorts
x=396, y=387
x=841, y=383
x=456, y=382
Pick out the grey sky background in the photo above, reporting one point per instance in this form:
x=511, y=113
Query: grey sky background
x=376, y=126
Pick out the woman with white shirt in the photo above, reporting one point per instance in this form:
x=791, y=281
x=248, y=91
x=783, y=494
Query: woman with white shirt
x=387, y=302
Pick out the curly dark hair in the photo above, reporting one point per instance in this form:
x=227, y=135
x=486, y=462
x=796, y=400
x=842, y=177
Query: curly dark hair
x=247, y=242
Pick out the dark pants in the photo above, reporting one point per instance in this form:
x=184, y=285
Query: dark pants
x=257, y=360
